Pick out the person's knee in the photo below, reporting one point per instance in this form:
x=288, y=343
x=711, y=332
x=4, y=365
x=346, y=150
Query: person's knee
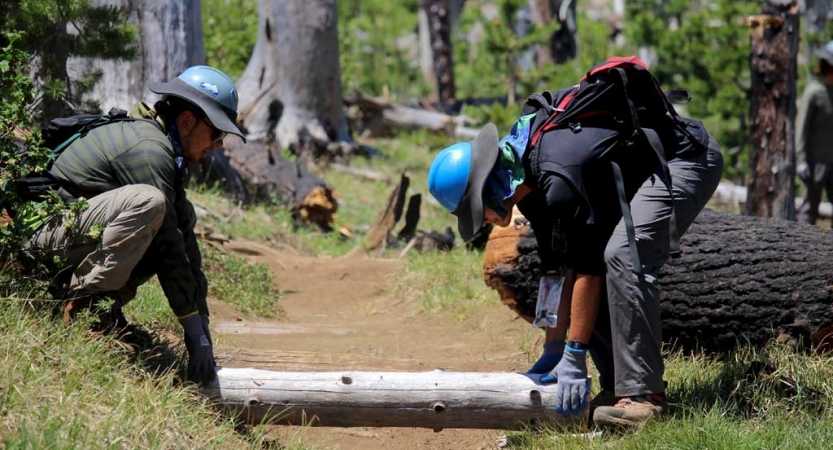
x=150, y=202
x=616, y=255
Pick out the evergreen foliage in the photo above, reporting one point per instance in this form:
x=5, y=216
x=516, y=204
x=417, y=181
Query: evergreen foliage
x=379, y=48
x=703, y=47
x=230, y=30
x=21, y=154
x=54, y=31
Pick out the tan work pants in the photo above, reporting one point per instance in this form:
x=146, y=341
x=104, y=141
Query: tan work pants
x=128, y=218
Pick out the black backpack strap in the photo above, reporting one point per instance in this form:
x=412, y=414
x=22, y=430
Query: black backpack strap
x=655, y=143
x=626, y=214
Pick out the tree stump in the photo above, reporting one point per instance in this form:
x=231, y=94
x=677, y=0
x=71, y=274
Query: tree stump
x=740, y=279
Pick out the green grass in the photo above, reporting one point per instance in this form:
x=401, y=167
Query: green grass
x=236, y=281
x=720, y=404
x=447, y=281
x=64, y=387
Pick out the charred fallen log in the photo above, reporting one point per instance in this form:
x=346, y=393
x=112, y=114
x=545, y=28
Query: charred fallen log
x=269, y=176
x=740, y=279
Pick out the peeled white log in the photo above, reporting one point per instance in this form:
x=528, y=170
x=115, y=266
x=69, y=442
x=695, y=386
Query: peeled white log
x=736, y=195
x=435, y=399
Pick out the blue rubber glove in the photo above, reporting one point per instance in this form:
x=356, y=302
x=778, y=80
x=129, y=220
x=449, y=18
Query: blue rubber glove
x=573, y=385
x=549, y=358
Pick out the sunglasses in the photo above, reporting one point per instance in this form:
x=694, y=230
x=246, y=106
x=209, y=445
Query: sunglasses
x=217, y=136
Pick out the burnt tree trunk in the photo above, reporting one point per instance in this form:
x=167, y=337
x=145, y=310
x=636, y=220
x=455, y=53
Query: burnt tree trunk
x=774, y=49
x=291, y=88
x=740, y=279
x=563, y=44
x=170, y=41
x=438, y=13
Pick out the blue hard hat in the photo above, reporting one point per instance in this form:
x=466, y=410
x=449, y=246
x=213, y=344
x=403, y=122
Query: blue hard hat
x=449, y=175
x=458, y=175
x=210, y=90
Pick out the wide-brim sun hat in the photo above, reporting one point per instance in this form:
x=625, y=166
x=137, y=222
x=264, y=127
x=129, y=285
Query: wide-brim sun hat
x=826, y=53
x=210, y=90
x=469, y=212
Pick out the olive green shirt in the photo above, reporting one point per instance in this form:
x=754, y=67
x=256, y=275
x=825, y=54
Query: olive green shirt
x=139, y=152
x=814, y=124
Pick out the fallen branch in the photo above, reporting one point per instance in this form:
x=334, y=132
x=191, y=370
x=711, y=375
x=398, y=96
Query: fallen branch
x=377, y=117
x=435, y=399
x=733, y=194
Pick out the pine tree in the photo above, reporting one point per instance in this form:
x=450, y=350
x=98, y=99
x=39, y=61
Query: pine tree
x=55, y=30
x=703, y=47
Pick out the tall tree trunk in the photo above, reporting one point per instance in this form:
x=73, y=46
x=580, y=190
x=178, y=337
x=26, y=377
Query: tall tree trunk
x=438, y=13
x=291, y=88
x=426, y=55
x=774, y=36
x=171, y=40
x=563, y=43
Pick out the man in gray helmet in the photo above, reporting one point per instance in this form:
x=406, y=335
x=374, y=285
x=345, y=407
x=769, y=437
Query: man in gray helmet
x=132, y=173
x=814, y=136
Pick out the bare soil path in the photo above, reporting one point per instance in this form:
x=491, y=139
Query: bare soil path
x=345, y=314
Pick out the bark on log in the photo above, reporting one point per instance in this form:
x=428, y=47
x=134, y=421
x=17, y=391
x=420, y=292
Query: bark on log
x=271, y=177
x=773, y=65
x=435, y=399
x=740, y=279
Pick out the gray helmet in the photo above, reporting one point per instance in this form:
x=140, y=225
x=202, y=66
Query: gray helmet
x=826, y=53
x=210, y=90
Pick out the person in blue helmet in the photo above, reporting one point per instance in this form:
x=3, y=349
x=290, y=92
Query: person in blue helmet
x=567, y=189
x=139, y=222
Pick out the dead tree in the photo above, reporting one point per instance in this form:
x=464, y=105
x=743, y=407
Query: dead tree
x=740, y=279
x=436, y=399
x=170, y=41
x=563, y=45
x=291, y=88
x=774, y=48
x=438, y=13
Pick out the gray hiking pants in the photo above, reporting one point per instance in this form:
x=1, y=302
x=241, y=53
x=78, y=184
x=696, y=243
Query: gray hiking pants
x=128, y=218
x=820, y=180
x=627, y=339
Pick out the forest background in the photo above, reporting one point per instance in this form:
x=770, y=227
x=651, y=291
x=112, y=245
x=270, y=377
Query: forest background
x=700, y=45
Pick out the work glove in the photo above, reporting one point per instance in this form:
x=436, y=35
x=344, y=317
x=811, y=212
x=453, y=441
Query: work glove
x=549, y=357
x=573, y=386
x=200, y=351
x=549, y=297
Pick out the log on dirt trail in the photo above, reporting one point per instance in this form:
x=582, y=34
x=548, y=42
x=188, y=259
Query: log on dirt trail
x=435, y=399
x=740, y=279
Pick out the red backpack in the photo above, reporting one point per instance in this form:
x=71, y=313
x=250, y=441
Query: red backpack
x=618, y=94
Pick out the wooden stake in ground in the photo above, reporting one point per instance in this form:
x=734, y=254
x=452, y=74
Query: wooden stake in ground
x=774, y=48
x=435, y=399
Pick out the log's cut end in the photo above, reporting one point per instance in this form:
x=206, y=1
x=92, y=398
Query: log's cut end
x=319, y=207
x=435, y=399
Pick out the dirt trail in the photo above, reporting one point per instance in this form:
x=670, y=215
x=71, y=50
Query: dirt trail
x=337, y=308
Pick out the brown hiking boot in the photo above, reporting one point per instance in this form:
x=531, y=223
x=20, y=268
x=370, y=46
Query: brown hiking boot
x=630, y=412
x=603, y=398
